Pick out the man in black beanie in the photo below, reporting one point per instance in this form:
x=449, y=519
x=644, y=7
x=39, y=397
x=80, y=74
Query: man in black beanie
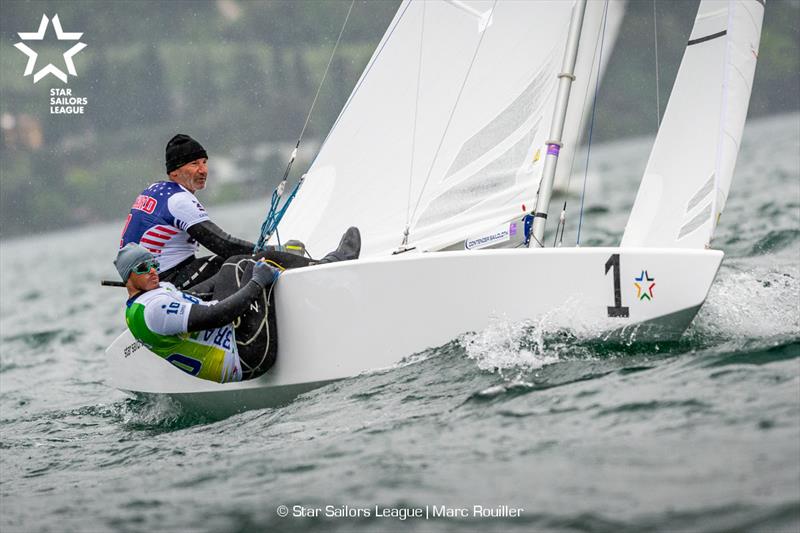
x=182, y=150
x=170, y=222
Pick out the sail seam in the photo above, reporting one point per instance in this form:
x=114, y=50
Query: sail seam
x=490, y=177
x=450, y=118
x=744, y=78
x=414, y=128
x=715, y=205
x=732, y=138
x=752, y=18
x=707, y=38
x=511, y=118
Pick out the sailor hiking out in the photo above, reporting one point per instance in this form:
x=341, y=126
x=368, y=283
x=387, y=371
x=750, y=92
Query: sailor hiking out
x=193, y=335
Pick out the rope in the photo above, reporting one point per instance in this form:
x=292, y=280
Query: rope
x=327, y=67
x=658, y=83
x=562, y=221
x=591, y=125
x=581, y=127
x=414, y=128
x=450, y=118
x=274, y=216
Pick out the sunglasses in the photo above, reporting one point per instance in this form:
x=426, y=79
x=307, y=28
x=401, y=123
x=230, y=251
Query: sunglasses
x=144, y=267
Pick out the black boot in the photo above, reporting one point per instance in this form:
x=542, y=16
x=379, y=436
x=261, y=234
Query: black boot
x=349, y=247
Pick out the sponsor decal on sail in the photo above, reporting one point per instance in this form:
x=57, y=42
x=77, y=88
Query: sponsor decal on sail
x=490, y=238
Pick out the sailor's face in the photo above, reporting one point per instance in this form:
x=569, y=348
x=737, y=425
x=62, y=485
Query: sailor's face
x=192, y=175
x=145, y=282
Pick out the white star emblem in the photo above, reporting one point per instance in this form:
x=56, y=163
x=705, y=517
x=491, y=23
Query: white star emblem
x=50, y=68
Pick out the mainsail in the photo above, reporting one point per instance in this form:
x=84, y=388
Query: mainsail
x=689, y=173
x=444, y=133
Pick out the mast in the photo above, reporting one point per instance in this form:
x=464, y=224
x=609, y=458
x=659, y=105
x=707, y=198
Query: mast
x=566, y=77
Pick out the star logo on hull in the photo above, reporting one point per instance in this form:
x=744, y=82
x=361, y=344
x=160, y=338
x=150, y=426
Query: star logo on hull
x=644, y=286
x=38, y=35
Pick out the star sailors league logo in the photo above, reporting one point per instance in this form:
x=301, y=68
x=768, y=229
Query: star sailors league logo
x=644, y=286
x=50, y=68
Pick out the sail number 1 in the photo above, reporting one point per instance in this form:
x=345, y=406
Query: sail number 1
x=618, y=311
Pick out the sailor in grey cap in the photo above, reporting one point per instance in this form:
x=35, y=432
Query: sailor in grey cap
x=161, y=316
x=132, y=258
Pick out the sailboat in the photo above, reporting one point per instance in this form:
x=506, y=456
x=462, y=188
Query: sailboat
x=466, y=114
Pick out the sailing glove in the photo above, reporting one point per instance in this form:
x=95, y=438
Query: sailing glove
x=264, y=273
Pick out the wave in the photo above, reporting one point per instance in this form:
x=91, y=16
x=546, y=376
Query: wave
x=775, y=241
x=154, y=413
x=43, y=339
x=757, y=352
x=750, y=303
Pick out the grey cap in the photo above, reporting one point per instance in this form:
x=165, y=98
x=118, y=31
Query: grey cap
x=128, y=257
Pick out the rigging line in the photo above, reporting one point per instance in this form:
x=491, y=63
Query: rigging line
x=452, y=114
x=414, y=128
x=367, y=69
x=658, y=83
x=562, y=223
x=274, y=216
x=327, y=67
x=583, y=115
x=591, y=125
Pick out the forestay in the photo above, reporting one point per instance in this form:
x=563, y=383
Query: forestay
x=689, y=173
x=444, y=132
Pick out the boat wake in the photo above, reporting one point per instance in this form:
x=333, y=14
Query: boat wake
x=506, y=344
x=750, y=302
x=157, y=413
x=532, y=356
x=771, y=313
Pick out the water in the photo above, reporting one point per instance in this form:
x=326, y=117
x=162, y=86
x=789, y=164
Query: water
x=702, y=434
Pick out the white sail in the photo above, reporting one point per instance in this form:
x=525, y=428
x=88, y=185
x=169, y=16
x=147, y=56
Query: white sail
x=442, y=131
x=689, y=173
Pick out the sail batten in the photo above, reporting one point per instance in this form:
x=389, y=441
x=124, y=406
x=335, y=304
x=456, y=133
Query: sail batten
x=707, y=38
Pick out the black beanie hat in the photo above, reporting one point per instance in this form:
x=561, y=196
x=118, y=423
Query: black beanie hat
x=182, y=149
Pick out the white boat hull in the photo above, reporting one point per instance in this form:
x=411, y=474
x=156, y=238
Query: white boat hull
x=342, y=319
